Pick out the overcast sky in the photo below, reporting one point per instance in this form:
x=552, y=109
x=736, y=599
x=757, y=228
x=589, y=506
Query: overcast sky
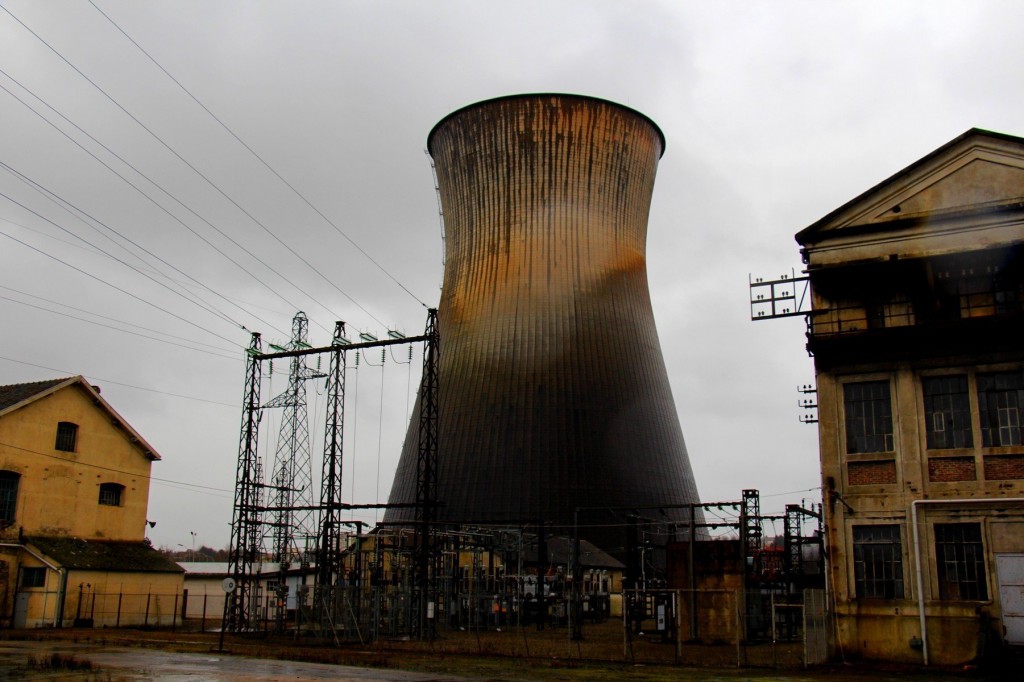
x=774, y=114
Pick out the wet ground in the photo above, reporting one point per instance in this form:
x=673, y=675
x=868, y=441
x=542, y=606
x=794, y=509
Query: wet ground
x=87, y=655
x=76, y=661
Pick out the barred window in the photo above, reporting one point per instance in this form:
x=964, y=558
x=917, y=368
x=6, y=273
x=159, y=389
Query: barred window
x=110, y=494
x=1000, y=401
x=868, y=409
x=67, y=435
x=947, y=410
x=8, y=496
x=878, y=562
x=960, y=557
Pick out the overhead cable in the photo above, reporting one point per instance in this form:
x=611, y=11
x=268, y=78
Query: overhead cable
x=161, y=207
x=60, y=200
x=103, y=281
x=119, y=383
x=258, y=157
x=193, y=168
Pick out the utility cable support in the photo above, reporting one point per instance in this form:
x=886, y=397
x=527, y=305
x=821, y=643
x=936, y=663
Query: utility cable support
x=193, y=168
x=260, y=158
x=245, y=553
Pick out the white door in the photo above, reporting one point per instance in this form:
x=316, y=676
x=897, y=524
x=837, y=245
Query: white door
x=21, y=609
x=1010, y=571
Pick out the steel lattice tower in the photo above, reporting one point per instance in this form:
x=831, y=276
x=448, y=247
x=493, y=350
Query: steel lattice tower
x=294, y=524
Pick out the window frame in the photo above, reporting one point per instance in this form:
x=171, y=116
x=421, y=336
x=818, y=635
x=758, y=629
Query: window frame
x=33, y=571
x=108, y=490
x=67, y=437
x=889, y=567
x=968, y=559
x=855, y=443
x=9, y=496
x=992, y=433
x=952, y=415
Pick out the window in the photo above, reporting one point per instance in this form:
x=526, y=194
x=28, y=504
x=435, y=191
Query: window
x=947, y=410
x=110, y=494
x=878, y=562
x=1000, y=399
x=868, y=417
x=32, y=576
x=960, y=558
x=67, y=434
x=8, y=496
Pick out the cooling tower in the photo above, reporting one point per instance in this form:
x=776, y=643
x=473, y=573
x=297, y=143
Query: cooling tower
x=553, y=389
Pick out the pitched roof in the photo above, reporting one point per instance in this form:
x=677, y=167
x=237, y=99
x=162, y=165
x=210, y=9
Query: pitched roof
x=978, y=170
x=559, y=551
x=15, y=396
x=104, y=555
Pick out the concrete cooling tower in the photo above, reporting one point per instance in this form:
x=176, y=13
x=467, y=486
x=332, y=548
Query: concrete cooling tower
x=553, y=389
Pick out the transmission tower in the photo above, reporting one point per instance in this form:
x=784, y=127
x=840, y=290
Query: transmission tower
x=294, y=523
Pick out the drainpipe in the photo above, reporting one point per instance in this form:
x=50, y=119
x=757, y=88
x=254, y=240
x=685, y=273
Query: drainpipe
x=917, y=552
x=53, y=567
x=58, y=617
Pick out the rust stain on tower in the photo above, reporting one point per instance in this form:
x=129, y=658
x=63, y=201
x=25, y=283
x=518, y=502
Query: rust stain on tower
x=554, y=393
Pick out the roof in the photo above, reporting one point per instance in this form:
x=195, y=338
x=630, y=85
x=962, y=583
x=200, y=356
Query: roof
x=220, y=569
x=932, y=168
x=104, y=555
x=16, y=396
x=13, y=395
x=559, y=551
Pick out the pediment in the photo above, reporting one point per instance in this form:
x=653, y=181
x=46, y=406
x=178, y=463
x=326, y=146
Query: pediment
x=977, y=171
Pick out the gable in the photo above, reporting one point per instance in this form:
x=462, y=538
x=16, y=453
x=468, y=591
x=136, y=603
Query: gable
x=979, y=173
x=17, y=397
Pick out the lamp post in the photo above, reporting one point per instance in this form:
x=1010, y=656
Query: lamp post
x=194, y=534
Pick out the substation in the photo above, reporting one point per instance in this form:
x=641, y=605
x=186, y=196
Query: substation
x=544, y=481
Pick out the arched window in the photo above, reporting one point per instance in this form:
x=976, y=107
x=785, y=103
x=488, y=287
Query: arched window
x=111, y=494
x=67, y=435
x=8, y=496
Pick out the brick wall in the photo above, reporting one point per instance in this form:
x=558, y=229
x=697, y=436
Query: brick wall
x=951, y=469
x=1003, y=467
x=872, y=473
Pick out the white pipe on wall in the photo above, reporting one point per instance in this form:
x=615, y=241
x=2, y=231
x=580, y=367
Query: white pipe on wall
x=917, y=552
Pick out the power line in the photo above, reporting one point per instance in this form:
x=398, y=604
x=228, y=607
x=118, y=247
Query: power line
x=107, y=317
x=118, y=383
x=158, y=205
x=258, y=157
x=124, y=331
x=112, y=469
x=60, y=200
x=99, y=279
x=192, y=167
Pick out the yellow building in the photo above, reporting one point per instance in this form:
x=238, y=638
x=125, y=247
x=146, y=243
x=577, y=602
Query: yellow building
x=916, y=332
x=74, y=490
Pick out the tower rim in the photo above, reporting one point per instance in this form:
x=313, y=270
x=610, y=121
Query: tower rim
x=536, y=95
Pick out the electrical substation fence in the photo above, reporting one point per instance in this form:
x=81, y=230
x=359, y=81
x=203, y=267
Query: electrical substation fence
x=500, y=615
x=89, y=606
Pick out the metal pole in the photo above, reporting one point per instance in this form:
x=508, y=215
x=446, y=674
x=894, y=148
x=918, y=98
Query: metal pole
x=693, y=576
x=574, y=613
